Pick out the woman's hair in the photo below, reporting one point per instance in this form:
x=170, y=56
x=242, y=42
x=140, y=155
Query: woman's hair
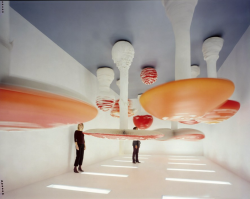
x=80, y=124
x=135, y=128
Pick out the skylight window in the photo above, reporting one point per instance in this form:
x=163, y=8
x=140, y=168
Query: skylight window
x=125, y=161
x=183, y=159
x=104, y=174
x=84, y=189
x=178, y=156
x=197, y=181
x=192, y=170
x=185, y=163
x=179, y=197
x=130, y=167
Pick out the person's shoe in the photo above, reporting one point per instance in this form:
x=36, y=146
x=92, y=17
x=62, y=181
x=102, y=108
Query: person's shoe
x=138, y=162
x=134, y=162
x=80, y=169
x=75, y=170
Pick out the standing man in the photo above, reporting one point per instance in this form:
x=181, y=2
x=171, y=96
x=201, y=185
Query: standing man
x=136, y=145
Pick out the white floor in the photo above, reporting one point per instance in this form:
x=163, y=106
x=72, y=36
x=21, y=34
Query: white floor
x=146, y=181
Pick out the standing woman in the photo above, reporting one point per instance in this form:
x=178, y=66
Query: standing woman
x=80, y=147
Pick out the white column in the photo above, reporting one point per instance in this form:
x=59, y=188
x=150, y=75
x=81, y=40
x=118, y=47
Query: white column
x=211, y=48
x=5, y=45
x=180, y=14
x=122, y=55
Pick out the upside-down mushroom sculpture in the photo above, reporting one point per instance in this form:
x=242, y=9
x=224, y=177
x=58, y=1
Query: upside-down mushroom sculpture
x=142, y=121
x=105, y=99
x=22, y=108
x=115, y=112
x=148, y=75
x=124, y=134
x=211, y=48
x=28, y=104
x=221, y=113
x=122, y=55
x=184, y=99
x=195, y=71
x=185, y=134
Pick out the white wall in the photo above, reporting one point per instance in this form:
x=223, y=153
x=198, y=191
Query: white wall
x=31, y=156
x=228, y=142
x=178, y=147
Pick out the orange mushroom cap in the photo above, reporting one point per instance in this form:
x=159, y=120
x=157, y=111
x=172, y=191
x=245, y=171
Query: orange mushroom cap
x=22, y=108
x=186, y=99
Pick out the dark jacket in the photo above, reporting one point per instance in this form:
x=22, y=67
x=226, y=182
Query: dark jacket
x=79, y=137
x=136, y=142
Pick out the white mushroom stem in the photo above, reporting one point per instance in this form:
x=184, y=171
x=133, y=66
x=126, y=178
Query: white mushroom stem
x=118, y=83
x=211, y=49
x=122, y=55
x=195, y=71
x=141, y=110
x=105, y=76
x=123, y=103
x=180, y=14
x=5, y=45
x=174, y=125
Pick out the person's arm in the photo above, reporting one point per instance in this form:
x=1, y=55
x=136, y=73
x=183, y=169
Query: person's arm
x=77, y=148
x=84, y=141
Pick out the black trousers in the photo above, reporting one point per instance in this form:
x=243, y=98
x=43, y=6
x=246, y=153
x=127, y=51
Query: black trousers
x=135, y=154
x=79, y=155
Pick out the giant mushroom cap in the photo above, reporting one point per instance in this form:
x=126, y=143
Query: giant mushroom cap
x=24, y=108
x=148, y=75
x=124, y=134
x=190, y=122
x=115, y=112
x=168, y=134
x=186, y=99
x=143, y=121
x=105, y=101
x=187, y=134
x=221, y=113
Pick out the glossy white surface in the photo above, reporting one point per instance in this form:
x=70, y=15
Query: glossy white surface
x=147, y=181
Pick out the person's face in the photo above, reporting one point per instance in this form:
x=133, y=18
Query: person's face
x=80, y=127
